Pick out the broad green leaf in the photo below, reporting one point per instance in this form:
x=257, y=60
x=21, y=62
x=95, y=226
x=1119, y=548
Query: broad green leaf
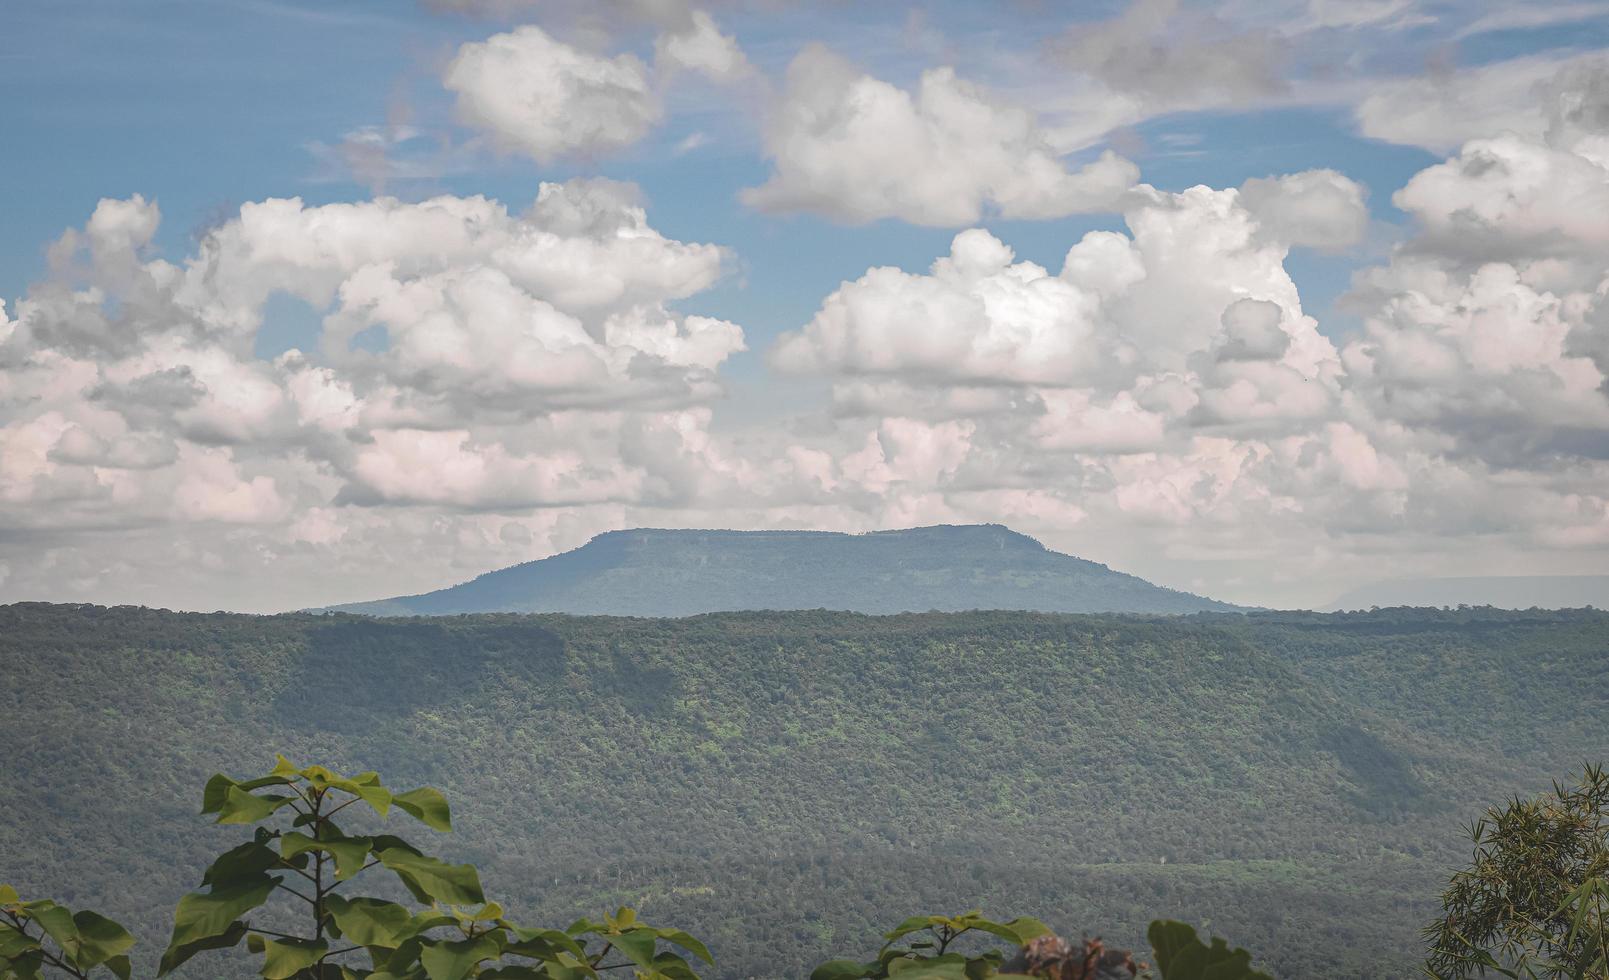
x=637, y=945
x=120, y=967
x=9, y=896
x=432, y=880
x=951, y=966
x=177, y=953
x=239, y=806
x=672, y=967
x=915, y=923
x=217, y=789
x=205, y=916
x=686, y=942
x=402, y=962
x=350, y=853
x=428, y=920
x=541, y=943
x=13, y=942
x=1180, y=955
x=25, y=966
x=426, y=805
x=376, y=796
x=1017, y=932
x=844, y=970
x=57, y=923
x=454, y=960
x=370, y=921
x=386, y=842
x=284, y=958
x=99, y=939
x=249, y=860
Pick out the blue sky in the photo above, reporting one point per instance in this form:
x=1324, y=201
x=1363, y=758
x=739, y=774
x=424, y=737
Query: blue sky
x=204, y=105
x=203, y=108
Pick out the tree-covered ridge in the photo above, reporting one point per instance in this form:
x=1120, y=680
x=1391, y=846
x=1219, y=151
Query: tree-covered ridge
x=660, y=572
x=1293, y=780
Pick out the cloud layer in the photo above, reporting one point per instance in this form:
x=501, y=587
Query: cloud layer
x=483, y=384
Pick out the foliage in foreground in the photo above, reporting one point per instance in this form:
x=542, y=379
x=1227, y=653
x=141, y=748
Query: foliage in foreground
x=457, y=934
x=1532, y=906
x=1533, y=902
x=37, y=934
x=299, y=854
x=931, y=954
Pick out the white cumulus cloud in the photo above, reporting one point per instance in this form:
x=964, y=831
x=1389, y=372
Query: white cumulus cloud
x=856, y=148
x=539, y=96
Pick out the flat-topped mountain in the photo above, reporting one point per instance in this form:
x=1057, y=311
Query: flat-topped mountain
x=948, y=568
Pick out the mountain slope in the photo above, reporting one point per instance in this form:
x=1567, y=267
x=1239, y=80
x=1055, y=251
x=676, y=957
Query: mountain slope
x=649, y=572
x=787, y=785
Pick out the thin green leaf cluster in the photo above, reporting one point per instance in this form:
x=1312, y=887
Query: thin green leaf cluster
x=1532, y=903
x=34, y=935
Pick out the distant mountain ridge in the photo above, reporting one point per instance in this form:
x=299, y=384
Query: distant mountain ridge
x=660, y=572
x=1497, y=591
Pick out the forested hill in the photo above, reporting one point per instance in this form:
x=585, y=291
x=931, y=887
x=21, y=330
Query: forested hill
x=788, y=784
x=648, y=572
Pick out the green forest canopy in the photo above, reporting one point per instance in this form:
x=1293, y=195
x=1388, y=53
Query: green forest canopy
x=1295, y=781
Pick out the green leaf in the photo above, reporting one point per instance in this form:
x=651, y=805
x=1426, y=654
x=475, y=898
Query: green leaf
x=454, y=960
x=376, y=796
x=286, y=957
x=99, y=939
x=25, y=966
x=637, y=945
x=216, y=791
x=1180, y=955
x=57, y=923
x=13, y=942
x=249, y=860
x=203, y=917
x=370, y=921
x=950, y=966
x=1017, y=932
x=541, y=943
x=350, y=853
x=432, y=880
x=844, y=970
x=686, y=942
x=672, y=967
x=240, y=806
x=9, y=896
x=427, y=806
x=177, y=953
x=915, y=923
